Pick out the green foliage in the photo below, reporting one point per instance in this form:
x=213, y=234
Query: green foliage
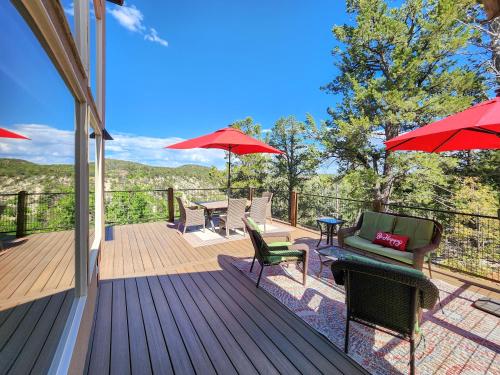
x=301, y=157
x=398, y=70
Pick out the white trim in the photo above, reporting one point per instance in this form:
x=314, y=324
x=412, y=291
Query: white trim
x=62, y=358
x=61, y=363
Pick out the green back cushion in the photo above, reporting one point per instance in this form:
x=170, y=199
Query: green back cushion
x=419, y=230
x=374, y=222
x=253, y=224
x=383, y=265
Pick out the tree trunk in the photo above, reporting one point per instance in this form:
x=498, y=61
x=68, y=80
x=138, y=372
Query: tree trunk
x=495, y=47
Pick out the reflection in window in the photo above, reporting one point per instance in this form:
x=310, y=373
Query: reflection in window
x=37, y=194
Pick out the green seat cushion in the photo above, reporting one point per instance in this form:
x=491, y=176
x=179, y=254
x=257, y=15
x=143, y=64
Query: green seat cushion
x=272, y=245
x=419, y=230
x=374, y=222
x=363, y=244
x=277, y=256
x=253, y=224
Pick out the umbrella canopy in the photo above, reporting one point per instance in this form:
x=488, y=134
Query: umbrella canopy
x=229, y=139
x=477, y=127
x=4, y=133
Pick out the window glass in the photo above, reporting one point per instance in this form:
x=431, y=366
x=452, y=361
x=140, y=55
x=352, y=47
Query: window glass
x=37, y=216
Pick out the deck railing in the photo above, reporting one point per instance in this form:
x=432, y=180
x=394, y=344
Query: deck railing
x=471, y=242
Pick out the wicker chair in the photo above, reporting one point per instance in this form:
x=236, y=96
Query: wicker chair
x=269, y=197
x=235, y=212
x=385, y=295
x=190, y=216
x=258, y=210
x=270, y=254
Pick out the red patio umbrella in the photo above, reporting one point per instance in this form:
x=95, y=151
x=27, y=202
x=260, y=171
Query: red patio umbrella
x=477, y=127
x=4, y=133
x=229, y=139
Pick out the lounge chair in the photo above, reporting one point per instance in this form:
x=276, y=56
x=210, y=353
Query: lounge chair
x=235, y=212
x=258, y=210
x=274, y=253
x=190, y=216
x=384, y=295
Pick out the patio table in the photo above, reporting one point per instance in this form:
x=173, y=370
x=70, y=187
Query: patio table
x=213, y=206
x=327, y=255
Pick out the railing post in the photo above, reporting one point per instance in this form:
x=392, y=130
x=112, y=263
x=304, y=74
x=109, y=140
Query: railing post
x=21, y=214
x=294, y=200
x=251, y=191
x=171, y=209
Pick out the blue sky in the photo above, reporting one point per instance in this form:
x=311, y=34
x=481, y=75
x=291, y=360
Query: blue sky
x=177, y=70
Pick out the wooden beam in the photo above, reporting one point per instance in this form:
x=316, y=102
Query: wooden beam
x=98, y=9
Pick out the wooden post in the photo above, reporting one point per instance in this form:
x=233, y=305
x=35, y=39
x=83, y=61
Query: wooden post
x=171, y=208
x=21, y=214
x=251, y=192
x=294, y=200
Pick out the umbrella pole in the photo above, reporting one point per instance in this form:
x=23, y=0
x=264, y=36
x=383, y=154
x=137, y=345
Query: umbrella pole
x=229, y=175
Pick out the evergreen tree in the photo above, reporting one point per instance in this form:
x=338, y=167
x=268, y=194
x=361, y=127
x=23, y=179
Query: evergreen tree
x=250, y=170
x=399, y=69
x=301, y=157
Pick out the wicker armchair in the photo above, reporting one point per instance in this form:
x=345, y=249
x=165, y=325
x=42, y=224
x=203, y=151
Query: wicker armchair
x=235, y=212
x=190, y=216
x=270, y=254
x=258, y=210
x=269, y=197
x=386, y=295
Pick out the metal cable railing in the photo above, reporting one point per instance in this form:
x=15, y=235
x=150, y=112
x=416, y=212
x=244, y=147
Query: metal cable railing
x=471, y=242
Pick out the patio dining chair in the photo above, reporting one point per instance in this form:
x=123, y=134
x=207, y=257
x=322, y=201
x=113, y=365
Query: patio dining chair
x=274, y=253
x=258, y=210
x=235, y=212
x=269, y=197
x=384, y=295
x=190, y=216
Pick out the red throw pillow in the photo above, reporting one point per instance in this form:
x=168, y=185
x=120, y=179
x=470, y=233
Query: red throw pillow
x=393, y=241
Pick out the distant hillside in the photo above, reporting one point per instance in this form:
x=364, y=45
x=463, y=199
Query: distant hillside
x=16, y=175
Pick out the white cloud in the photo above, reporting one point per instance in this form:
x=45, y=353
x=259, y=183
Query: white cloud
x=54, y=146
x=129, y=17
x=153, y=37
x=70, y=9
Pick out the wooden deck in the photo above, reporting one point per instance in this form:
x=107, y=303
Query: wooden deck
x=165, y=307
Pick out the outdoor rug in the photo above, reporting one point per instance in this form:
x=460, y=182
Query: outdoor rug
x=196, y=237
x=456, y=340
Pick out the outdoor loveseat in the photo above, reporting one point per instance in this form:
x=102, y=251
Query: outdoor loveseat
x=424, y=237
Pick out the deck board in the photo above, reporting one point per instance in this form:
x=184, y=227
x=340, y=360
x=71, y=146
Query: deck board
x=178, y=309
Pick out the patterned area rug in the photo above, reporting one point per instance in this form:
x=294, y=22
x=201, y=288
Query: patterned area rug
x=456, y=340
